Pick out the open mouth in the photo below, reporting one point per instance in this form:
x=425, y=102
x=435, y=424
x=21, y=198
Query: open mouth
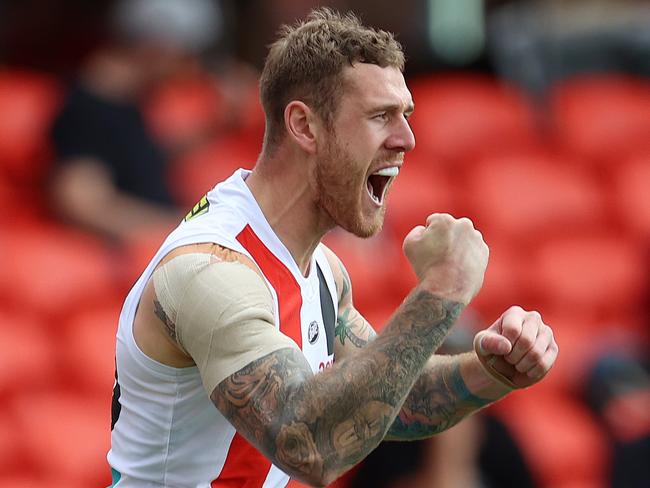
x=378, y=182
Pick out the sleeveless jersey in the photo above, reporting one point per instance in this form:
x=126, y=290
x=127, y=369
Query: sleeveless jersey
x=165, y=431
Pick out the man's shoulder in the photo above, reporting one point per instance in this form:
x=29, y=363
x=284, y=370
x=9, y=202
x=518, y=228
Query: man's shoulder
x=218, y=252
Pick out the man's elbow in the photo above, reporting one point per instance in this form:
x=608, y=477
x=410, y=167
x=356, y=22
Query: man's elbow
x=300, y=457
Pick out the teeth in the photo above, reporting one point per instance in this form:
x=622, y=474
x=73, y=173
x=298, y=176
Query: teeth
x=392, y=171
x=372, y=195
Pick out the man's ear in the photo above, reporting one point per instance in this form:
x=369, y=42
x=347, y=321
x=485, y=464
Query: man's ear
x=302, y=125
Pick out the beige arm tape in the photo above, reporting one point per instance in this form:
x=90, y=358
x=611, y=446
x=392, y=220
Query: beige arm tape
x=222, y=311
x=487, y=361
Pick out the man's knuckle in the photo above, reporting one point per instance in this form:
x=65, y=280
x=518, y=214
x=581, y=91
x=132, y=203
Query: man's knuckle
x=510, y=329
x=526, y=342
x=535, y=355
x=549, y=332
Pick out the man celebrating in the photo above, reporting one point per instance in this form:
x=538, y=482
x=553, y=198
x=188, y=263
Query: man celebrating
x=237, y=309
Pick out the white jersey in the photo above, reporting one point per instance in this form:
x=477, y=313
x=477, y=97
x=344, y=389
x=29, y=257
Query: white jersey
x=166, y=431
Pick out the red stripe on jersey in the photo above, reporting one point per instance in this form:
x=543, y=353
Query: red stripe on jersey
x=245, y=466
x=281, y=279
x=296, y=484
x=339, y=483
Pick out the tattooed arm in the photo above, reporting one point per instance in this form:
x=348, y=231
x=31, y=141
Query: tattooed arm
x=317, y=427
x=449, y=388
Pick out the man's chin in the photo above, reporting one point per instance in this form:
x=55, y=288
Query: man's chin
x=366, y=229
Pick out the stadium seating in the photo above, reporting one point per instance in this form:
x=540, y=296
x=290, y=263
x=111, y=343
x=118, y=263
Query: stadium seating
x=420, y=190
x=29, y=101
x=88, y=338
x=600, y=273
x=460, y=116
x=632, y=196
x=66, y=435
x=566, y=215
x=53, y=269
x=185, y=108
x=526, y=196
x=601, y=117
x=195, y=174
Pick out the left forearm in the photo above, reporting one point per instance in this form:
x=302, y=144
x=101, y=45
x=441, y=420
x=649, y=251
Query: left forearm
x=448, y=390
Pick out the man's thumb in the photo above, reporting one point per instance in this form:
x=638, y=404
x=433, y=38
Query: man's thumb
x=487, y=343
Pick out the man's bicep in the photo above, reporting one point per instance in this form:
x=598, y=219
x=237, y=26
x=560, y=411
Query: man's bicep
x=254, y=398
x=222, y=311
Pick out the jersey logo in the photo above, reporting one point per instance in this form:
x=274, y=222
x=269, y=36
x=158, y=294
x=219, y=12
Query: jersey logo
x=198, y=209
x=312, y=332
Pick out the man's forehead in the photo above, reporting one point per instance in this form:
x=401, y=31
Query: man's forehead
x=373, y=84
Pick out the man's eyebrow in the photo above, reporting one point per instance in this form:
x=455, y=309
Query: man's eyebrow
x=393, y=107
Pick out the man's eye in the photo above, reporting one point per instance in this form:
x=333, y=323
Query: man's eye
x=381, y=116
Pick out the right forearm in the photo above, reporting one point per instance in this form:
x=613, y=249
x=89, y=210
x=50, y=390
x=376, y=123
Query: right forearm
x=337, y=417
x=356, y=402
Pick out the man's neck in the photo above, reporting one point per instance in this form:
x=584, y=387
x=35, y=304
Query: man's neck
x=281, y=187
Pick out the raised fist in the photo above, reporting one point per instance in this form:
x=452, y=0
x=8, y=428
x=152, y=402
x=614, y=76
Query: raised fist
x=449, y=257
x=518, y=349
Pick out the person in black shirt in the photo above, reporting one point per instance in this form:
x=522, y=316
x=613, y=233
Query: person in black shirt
x=110, y=175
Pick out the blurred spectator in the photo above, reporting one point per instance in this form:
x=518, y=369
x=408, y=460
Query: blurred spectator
x=111, y=173
x=618, y=390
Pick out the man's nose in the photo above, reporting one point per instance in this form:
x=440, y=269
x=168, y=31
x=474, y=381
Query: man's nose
x=401, y=138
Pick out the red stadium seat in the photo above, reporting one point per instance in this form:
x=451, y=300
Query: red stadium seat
x=20, y=202
x=139, y=249
x=66, y=435
x=529, y=195
x=603, y=274
x=27, y=352
x=27, y=480
x=53, y=270
x=186, y=108
x=632, y=194
x=89, y=340
x=602, y=117
x=29, y=102
x=461, y=116
x=11, y=444
x=504, y=282
x=195, y=174
x=417, y=192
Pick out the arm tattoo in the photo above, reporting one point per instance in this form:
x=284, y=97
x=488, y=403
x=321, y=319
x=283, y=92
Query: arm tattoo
x=316, y=427
x=438, y=400
x=170, y=327
x=344, y=329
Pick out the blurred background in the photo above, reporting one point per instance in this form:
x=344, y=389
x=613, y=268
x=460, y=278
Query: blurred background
x=533, y=119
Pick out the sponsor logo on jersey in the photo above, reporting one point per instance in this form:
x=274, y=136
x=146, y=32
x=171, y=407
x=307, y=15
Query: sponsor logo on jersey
x=198, y=209
x=312, y=332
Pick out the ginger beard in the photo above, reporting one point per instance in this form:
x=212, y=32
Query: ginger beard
x=341, y=190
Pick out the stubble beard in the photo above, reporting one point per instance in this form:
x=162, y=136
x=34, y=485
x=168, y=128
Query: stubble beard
x=340, y=186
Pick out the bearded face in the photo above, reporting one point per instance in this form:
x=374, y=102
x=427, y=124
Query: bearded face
x=360, y=156
x=342, y=182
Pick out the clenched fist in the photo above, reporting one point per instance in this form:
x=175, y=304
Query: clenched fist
x=518, y=349
x=449, y=257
